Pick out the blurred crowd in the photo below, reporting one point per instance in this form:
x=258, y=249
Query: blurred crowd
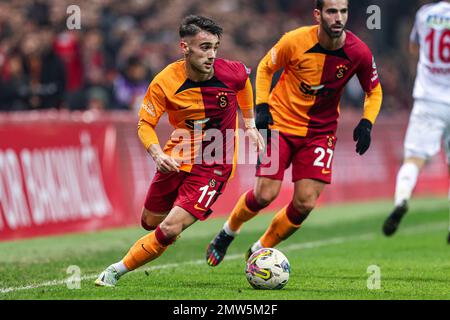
x=108, y=63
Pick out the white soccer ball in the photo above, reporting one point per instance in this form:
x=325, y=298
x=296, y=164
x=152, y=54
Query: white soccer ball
x=267, y=268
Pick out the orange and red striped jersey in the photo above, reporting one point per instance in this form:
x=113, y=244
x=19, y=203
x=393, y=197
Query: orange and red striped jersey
x=194, y=107
x=306, y=99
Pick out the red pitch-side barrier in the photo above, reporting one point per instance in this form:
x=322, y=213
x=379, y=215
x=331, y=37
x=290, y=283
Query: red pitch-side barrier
x=82, y=171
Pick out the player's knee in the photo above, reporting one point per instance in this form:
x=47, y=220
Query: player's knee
x=265, y=196
x=164, y=236
x=147, y=226
x=150, y=221
x=304, y=205
x=170, y=230
x=145, y=223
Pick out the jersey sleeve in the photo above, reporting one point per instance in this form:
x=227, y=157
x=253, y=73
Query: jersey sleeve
x=153, y=105
x=245, y=100
x=240, y=73
x=368, y=78
x=147, y=134
x=151, y=110
x=372, y=103
x=367, y=72
x=278, y=57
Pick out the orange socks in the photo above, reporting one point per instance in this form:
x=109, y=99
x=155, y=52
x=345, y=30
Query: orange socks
x=241, y=213
x=280, y=229
x=145, y=250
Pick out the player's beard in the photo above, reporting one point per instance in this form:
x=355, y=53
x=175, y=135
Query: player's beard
x=332, y=34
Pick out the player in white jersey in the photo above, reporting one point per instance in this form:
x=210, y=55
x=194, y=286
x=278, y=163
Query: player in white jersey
x=429, y=122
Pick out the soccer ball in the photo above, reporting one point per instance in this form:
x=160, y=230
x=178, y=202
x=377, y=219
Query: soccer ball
x=267, y=268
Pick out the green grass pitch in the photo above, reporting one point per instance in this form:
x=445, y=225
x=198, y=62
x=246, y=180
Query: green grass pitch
x=329, y=258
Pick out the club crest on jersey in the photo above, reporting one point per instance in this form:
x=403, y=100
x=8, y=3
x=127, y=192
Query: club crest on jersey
x=212, y=183
x=222, y=99
x=330, y=141
x=340, y=72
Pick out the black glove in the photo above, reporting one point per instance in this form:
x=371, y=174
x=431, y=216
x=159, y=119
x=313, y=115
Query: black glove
x=362, y=135
x=263, y=116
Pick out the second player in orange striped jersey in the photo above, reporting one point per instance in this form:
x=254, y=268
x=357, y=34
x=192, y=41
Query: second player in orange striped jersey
x=302, y=112
x=307, y=96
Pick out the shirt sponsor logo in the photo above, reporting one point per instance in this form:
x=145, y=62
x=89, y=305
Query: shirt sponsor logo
x=199, y=124
x=150, y=108
x=318, y=90
x=438, y=21
x=273, y=55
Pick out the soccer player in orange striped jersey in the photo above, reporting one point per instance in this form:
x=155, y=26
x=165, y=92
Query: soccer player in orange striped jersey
x=303, y=109
x=201, y=94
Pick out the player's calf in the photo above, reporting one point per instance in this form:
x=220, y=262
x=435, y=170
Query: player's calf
x=265, y=191
x=246, y=208
x=281, y=228
x=146, y=249
x=300, y=210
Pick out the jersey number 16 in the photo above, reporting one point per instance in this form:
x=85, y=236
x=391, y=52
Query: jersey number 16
x=444, y=45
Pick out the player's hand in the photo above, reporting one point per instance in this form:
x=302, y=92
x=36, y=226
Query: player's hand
x=165, y=163
x=361, y=134
x=256, y=139
x=263, y=116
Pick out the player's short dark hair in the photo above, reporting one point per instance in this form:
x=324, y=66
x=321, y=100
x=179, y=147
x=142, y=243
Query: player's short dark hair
x=192, y=24
x=320, y=3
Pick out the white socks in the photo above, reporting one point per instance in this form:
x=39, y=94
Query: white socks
x=406, y=181
x=120, y=267
x=228, y=231
x=256, y=246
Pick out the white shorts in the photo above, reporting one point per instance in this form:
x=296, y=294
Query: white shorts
x=429, y=125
